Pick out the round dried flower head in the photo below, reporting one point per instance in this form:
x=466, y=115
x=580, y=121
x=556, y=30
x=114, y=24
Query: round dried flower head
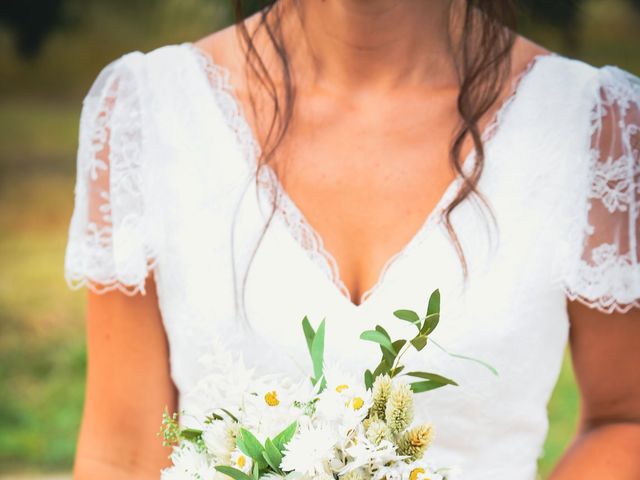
x=377, y=431
x=381, y=391
x=399, y=410
x=415, y=441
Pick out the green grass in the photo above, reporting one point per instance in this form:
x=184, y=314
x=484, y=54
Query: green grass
x=563, y=417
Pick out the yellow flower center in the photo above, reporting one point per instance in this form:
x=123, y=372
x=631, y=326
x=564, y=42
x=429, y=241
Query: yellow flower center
x=272, y=398
x=415, y=472
x=242, y=461
x=357, y=403
x=341, y=388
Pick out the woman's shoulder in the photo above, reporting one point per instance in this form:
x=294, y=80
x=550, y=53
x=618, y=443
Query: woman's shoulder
x=571, y=76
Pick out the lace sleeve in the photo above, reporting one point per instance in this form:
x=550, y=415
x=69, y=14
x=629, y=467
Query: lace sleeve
x=108, y=245
x=606, y=275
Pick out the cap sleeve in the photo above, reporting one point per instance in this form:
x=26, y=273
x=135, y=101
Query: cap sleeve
x=606, y=273
x=109, y=246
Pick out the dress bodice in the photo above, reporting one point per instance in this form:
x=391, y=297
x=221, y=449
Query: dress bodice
x=177, y=196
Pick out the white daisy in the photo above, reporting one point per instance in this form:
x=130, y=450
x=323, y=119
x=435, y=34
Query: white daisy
x=273, y=404
x=220, y=439
x=364, y=453
x=188, y=463
x=343, y=405
x=310, y=451
x=241, y=461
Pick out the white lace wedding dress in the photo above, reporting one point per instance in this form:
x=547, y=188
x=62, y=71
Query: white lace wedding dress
x=177, y=196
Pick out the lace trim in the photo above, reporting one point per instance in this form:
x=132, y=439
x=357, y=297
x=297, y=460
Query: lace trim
x=487, y=136
x=620, y=273
x=606, y=278
x=108, y=247
x=298, y=226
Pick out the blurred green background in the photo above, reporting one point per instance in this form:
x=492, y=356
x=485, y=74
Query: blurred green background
x=50, y=52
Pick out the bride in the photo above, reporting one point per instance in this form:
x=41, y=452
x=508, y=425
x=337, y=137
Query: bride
x=341, y=159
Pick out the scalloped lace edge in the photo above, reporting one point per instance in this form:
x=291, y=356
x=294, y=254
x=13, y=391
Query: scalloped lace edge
x=602, y=305
x=299, y=227
x=610, y=185
x=101, y=287
x=89, y=239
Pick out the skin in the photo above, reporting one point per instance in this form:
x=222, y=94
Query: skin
x=357, y=145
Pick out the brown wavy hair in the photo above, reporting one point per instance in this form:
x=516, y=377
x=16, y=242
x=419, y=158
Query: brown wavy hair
x=483, y=66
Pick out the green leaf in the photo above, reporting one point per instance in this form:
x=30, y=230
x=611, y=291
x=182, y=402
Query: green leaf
x=368, y=379
x=233, y=472
x=387, y=356
x=379, y=338
x=285, y=436
x=256, y=469
x=408, y=316
x=317, y=353
x=250, y=445
x=434, y=303
x=398, y=344
x=432, y=376
x=309, y=332
x=397, y=370
x=419, y=342
x=383, y=331
x=419, y=387
x=272, y=454
x=381, y=368
x=464, y=357
x=430, y=323
x=191, y=434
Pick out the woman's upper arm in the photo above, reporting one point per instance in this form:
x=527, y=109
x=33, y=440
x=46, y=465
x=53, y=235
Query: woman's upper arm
x=128, y=386
x=606, y=360
x=112, y=249
x=604, y=279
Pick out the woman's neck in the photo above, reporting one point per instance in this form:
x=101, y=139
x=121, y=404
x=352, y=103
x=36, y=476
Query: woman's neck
x=374, y=44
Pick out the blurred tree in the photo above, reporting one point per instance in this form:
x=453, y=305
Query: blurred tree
x=30, y=21
x=562, y=14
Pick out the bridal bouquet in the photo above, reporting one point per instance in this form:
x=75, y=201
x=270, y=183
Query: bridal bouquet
x=331, y=426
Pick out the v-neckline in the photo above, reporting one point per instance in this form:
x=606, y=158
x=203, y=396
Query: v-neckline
x=295, y=222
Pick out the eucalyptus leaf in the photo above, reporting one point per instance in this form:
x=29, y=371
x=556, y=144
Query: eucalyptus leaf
x=398, y=344
x=380, y=329
x=233, y=472
x=419, y=342
x=381, y=369
x=379, y=338
x=387, y=356
x=434, y=303
x=432, y=376
x=420, y=387
x=368, y=379
x=408, y=316
x=430, y=323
